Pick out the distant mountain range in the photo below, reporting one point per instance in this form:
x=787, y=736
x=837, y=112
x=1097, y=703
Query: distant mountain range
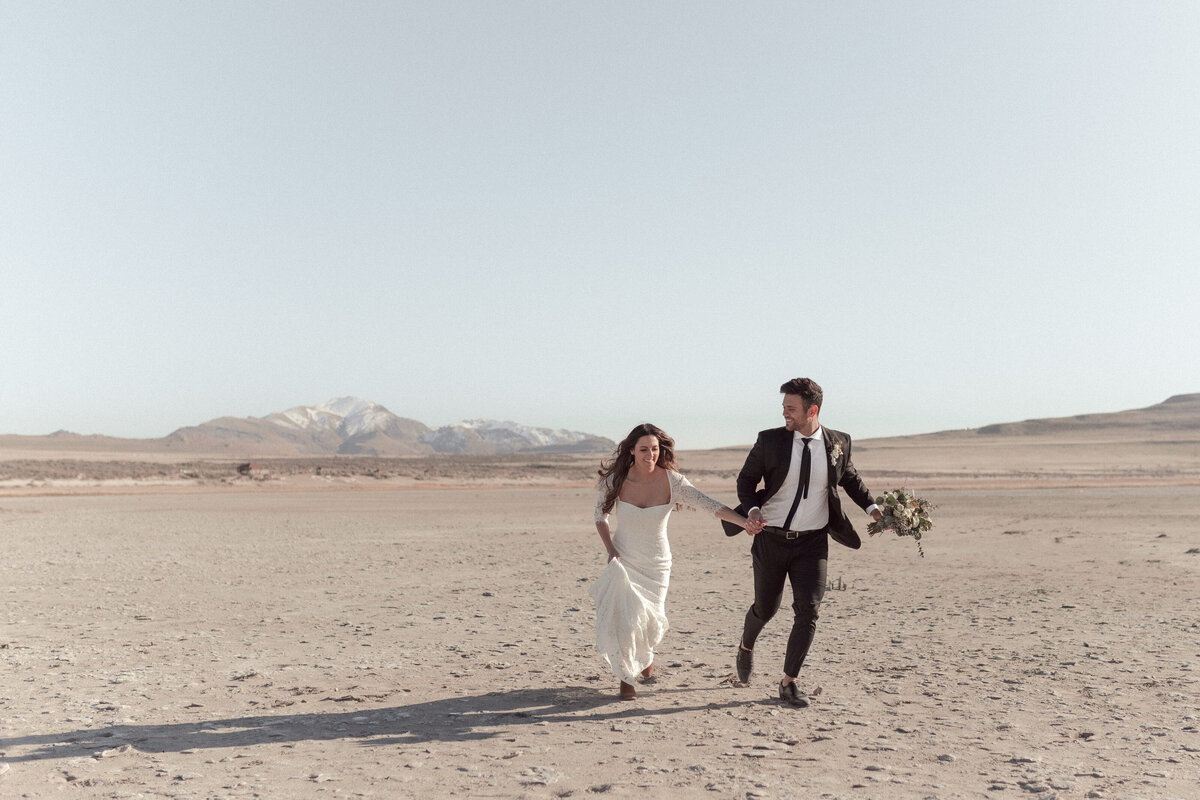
x=351, y=426
x=1175, y=414
x=342, y=426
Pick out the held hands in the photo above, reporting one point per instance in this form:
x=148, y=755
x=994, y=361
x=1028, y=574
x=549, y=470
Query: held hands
x=754, y=522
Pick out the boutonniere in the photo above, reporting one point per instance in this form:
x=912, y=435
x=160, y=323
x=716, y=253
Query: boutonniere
x=835, y=453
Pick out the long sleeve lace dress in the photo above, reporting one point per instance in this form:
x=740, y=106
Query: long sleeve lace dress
x=631, y=593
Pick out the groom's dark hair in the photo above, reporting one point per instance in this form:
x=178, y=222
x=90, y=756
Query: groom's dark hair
x=808, y=390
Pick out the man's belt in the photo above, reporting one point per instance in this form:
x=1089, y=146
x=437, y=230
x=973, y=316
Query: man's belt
x=791, y=534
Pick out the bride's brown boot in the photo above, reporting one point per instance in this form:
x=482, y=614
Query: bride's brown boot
x=627, y=691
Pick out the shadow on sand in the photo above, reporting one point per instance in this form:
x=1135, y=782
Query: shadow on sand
x=453, y=719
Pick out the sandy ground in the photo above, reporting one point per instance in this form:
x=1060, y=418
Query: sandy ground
x=334, y=636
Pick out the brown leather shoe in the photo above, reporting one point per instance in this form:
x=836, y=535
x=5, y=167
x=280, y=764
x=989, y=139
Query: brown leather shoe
x=627, y=691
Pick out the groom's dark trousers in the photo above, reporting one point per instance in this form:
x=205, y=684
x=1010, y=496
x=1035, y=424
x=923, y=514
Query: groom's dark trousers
x=804, y=562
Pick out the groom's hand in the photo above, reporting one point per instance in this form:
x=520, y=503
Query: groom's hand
x=755, y=521
x=876, y=515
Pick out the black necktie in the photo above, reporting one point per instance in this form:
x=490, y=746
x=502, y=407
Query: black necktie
x=802, y=488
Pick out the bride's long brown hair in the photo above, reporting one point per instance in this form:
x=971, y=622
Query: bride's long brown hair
x=622, y=459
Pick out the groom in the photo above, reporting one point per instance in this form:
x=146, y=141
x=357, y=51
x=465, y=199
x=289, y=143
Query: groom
x=801, y=466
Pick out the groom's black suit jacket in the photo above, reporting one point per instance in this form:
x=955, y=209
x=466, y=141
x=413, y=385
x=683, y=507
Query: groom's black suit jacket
x=768, y=463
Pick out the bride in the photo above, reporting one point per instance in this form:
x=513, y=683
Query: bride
x=639, y=485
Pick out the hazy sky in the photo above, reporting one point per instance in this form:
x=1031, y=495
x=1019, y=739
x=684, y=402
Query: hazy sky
x=587, y=215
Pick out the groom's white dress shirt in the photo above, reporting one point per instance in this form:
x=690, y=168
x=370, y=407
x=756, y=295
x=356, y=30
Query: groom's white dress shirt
x=813, y=512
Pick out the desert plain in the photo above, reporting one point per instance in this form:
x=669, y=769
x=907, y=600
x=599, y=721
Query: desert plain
x=421, y=628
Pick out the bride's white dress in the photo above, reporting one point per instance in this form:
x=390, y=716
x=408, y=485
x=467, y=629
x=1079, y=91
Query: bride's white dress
x=631, y=593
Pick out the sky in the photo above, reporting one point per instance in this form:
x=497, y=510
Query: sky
x=589, y=215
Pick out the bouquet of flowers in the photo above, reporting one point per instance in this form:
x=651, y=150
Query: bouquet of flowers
x=904, y=513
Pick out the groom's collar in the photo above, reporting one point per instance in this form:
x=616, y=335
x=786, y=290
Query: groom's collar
x=819, y=434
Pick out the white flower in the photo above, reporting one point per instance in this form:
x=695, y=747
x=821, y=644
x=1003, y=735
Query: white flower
x=835, y=453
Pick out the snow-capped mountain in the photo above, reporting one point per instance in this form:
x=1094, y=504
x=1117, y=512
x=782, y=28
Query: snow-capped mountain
x=360, y=427
x=344, y=425
x=351, y=425
x=491, y=436
x=345, y=416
